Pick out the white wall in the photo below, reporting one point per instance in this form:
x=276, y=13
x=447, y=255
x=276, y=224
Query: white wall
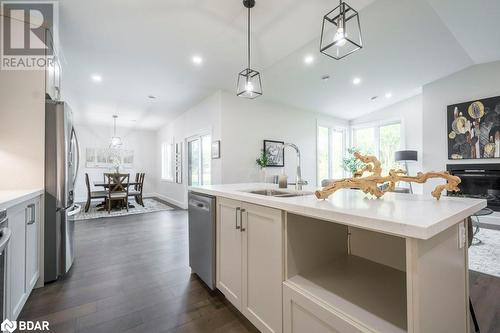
x=409, y=113
x=203, y=118
x=479, y=81
x=242, y=125
x=22, y=129
x=142, y=142
x=246, y=123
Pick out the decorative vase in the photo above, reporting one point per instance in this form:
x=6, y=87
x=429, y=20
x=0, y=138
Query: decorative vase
x=263, y=175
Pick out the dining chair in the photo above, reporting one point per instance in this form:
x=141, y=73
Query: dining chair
x=117, y=189
x=138, y=187
x=93, y=194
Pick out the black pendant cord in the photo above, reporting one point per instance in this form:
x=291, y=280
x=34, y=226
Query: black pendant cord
x=341, y=12
x=248, y=38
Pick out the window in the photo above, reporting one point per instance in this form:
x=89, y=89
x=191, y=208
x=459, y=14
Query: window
x=331, y=150
x=390, y=142
x=380, y=140
x=167, y=162
x=364, y=140
x=199, y=160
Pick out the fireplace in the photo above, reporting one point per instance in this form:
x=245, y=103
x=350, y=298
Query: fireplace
x=478, y=181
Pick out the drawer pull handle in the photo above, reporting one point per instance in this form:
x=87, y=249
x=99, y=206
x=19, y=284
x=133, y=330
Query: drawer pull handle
x=237, y=211
x=241, y=220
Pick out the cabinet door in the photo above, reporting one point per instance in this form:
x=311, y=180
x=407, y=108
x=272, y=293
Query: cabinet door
x=229, y=250
x=32, y=244
x=16, y=253
x=262, y=228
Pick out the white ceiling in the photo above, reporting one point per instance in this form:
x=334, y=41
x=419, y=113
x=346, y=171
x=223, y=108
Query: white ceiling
x=145, y=47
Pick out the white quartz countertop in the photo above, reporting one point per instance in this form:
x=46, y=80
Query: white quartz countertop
x=14, y=197
x=405, y=215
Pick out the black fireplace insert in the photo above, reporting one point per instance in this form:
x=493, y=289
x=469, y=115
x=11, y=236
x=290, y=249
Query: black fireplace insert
x=478, y=181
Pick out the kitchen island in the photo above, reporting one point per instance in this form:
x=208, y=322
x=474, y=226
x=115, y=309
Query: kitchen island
x=292, y=263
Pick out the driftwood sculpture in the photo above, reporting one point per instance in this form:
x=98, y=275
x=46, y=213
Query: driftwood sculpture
x=369, y=184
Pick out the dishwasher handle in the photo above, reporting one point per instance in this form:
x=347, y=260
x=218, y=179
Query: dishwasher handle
x=198, y=205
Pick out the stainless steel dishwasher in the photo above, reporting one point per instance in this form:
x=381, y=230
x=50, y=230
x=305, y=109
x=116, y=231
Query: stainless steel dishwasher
x=202, y=237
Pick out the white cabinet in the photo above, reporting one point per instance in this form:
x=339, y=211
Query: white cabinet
x=250, y=261
x=32, y=244
x=22, y=254
x=301, y=313
x=229, y=258
x=16, y=268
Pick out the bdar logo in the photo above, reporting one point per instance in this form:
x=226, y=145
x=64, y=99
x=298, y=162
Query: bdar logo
x=9, y=326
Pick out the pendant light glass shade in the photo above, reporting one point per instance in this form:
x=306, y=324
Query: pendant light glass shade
x=341, y=32
x=116, y=141
x=249, y=84
x=249, y=81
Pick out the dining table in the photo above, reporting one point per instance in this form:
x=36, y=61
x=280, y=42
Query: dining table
x=105, y=185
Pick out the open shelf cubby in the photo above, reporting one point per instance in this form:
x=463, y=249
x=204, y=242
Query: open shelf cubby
x=357, y=273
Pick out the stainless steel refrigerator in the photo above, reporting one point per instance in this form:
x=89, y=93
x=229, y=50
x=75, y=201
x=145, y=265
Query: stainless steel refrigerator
x=61, y=167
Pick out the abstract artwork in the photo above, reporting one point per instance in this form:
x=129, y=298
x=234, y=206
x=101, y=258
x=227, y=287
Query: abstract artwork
x=106, y=158
x=474, y=129
x=276, y=153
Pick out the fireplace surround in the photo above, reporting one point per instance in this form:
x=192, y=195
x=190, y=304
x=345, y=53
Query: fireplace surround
x=478, y=181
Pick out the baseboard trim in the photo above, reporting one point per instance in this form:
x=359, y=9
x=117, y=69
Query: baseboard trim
x=170, y=200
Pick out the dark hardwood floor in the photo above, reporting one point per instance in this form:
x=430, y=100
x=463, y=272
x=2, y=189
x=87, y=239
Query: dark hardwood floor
x=485, y=296
x=131, y=274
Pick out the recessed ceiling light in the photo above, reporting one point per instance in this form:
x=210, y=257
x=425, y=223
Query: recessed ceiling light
x=356, y=81
x=96, y=77
x=197, y=60
x=388, y=95
x=151, y=97
x=325, y=77
x=374, y=98
x=308, y=59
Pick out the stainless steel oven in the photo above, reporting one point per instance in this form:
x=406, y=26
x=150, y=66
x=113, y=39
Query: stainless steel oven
x=4, y=240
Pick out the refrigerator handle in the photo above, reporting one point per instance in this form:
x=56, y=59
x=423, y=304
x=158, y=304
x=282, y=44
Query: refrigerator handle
x=73, y=134
x=76, y=210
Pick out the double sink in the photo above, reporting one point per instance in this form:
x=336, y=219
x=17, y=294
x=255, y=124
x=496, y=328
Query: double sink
x=279, y=194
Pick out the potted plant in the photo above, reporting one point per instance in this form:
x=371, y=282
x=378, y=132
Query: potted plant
x=350, y=163
x=262, y=162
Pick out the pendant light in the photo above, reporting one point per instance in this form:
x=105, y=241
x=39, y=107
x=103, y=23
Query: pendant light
x=116, y=141
x=249, y=82
x=341, y=32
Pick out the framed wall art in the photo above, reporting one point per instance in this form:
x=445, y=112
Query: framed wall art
x=216, y=150
x=276, y=153
x=474, y=129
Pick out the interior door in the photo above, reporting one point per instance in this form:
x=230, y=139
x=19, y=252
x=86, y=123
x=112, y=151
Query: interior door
x=229, y=250
x=199, y=160
x=262, y=230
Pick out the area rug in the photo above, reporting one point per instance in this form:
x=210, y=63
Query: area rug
x=150, y=206
x=485, y=257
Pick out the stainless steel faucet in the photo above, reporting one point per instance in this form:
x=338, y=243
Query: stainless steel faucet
x=298, y=179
